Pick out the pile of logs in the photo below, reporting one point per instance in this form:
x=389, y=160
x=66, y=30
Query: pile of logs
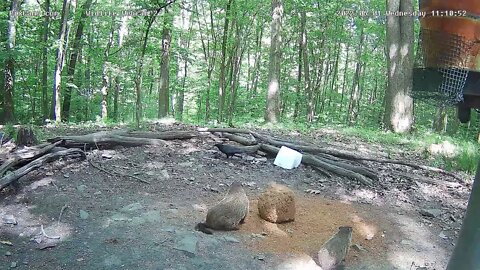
x=325, y=159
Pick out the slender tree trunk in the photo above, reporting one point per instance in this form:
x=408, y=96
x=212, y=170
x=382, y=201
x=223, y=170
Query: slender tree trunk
x=236, y=66
x=46, y=30
x=398, y=104
x=115, y=98
x=272, y=109
x=256, y=64
x=355, y=90
x=77, y=47
x=302, y=40
x=105, y=77
x=333, y=85
x=138, y=76
x=9, y=72
x=163, y=94
x=56, y=109
x=221, y=88
x=345, y=75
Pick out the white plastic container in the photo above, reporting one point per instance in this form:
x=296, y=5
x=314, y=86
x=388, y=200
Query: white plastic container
x=288, y=158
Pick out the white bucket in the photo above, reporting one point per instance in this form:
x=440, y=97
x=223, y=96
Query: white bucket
x=288, y=158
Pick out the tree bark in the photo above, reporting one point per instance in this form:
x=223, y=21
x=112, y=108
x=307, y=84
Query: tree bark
x=56, y=109
x=105, y=78
x=9, y=71
x=138, y=77
x=222, y=84
x=77, y=47
x=398, y=104
x=46, y=24
x=163, y=94
x=272, y=109
x=355, y=90
x=301, y=47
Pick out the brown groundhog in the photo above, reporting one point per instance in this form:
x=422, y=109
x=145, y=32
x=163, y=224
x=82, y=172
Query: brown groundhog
x=227, y=214
x=277, y=204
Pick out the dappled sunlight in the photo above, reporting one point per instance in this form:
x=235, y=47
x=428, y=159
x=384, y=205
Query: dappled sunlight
x=299, y=262
x=17, y=220
x=366, y=230
x=419, y=245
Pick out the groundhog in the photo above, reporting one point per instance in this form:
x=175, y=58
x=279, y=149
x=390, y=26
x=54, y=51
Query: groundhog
x=277, y=204
x=227, y=214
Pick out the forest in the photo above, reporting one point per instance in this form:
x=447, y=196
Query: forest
x=338, y=74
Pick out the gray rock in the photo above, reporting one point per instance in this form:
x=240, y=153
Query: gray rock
x=430, y=212
x=9, y=219
x=132, y=207
x=8, y=253
x=83, y=214
x=187, y=244
x=152, y=216
x=231, y=239
x=81, y=188
x=13, y=265
x=359, y=248
x=120, y=217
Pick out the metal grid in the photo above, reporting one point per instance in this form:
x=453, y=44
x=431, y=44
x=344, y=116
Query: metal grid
x=450, y=56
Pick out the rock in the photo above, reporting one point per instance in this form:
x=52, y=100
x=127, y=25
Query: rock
x=446, y=149
x=277, y=204
x=132, y=207
x=13, y=265
x=8, y=253
x=9, y=219
x=231, y=239
x=359, y=248
x=81, y=188
x=187, y=244
x=257, y=235
x=260, y=257
x=119, y=217
x=83, y=214
x=442, y=235
x=430, y=212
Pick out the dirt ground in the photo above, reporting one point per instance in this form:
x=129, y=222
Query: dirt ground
x=71, y=215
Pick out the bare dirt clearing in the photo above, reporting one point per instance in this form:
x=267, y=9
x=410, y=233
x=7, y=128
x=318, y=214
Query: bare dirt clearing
x=112, y=222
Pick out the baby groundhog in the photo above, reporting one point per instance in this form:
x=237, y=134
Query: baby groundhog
x=227, y=214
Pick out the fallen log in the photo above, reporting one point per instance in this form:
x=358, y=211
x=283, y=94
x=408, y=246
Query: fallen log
x=240, y=139
x=105, y=139
x=25, y=155
x=164, y=135
x=37, y=163
x=308, y=159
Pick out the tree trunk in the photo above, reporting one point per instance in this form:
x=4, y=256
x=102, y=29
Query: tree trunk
x=345, y=75
x=9, y=72
x=105, y=78
x=236, y=66
x=46, y=24
x=440, y=121
x=138, y=76
x=221, y=88
x=77, y=46
x=398, y=104
x=302, y=41
x=272, y=109
x=163, y=94
x=355, y=90
x=56, y=109
x=257, y=61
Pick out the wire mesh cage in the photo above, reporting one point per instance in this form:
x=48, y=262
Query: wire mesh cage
x=441, y=67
